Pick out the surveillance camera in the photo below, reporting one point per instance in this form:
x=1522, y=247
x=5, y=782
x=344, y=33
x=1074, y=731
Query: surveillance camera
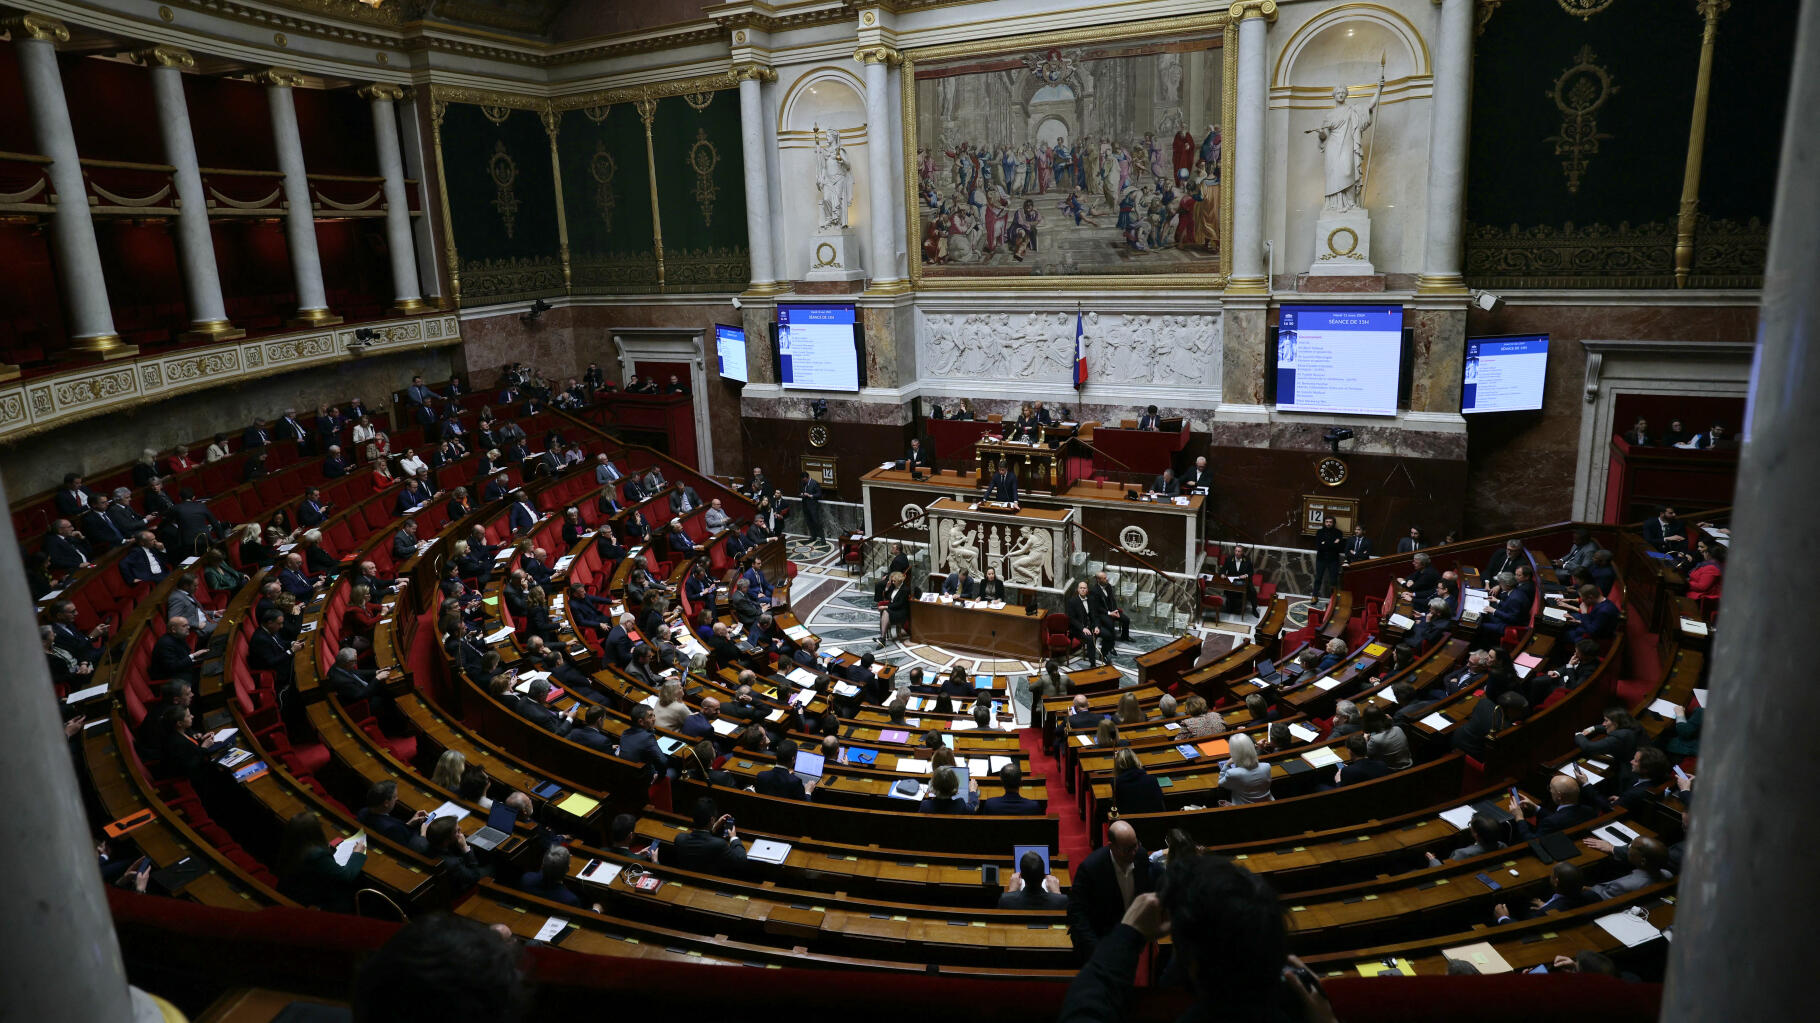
x=1487, y=301
x=736, y=303
x=1336, y=434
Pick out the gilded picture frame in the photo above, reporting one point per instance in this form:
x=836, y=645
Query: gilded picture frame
x=1053, y=57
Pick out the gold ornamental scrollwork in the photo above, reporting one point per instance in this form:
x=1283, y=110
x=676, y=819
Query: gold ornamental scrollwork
x=495, y=114
x=877, y=55
x=703, y=158
x=1242, y=9
x=752, y=72
x=165, y=56
x=602, y=167
x=504, y=172
x=1579, y=94
x=381, y=90
x=280, y=76
x=36, y=26
x=698, y=101
x=1584, y=9
x=596, y=114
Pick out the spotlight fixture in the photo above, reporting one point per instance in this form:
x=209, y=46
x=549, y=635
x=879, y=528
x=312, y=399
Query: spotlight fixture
x=535, y=313
x=819, y=408
x=1336, y=434
x=363, y=339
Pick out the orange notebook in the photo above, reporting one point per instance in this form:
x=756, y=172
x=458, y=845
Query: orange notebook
x=1213, y=747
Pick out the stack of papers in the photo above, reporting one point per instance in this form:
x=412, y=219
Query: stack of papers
x=724, y=726
x=796, y=632
x=802, y=676
x=911, y=765
x=1592, y=777
x=449, y=809
x=1402, y=621
x=845, y=689
x=1321, y=757
x=1326, y=684
x=1481, y=955
x=345, y=851
x=1460, y=817
x=1693, y=627
x=1304, y=733
x=550, y=929
x=1554, y=614
x=494, y=637
x=1665, y=708
x=1438, y=721
x=1631, y=930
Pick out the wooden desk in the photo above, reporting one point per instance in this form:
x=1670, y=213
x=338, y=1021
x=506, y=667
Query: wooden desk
x=1037, y=466
x=1168, y=535
x=1005, y=631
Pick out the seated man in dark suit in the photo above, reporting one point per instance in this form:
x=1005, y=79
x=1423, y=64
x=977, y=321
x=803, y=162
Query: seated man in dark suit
x=917, y=460
x=524, y=514
x=65, y=549
x=1566, y=892
x=1150, y=420
x=1013, y=802
x=1104, y=886
x=146, y=562
x=376, y=816
x=700, y=725
x=1166, y=484
x=590, y=734
x=638, y=743
x=712, y=845
x=534, y=706
x=334, y=466
x=256, y=436
x=1597, y=618
x=1509, y=609
x=351, y=685
x=267, y=649
x=1435, y=625
x=1032, y=887
x=73, y=498
x=1420, y=582
x=959, y=584
x=120, y=512
x=1665, y=532
x=1565, y=811
x=312, y=511
x=781, y=781
x=404, y=542
x=1506, y=559
x=172, y=656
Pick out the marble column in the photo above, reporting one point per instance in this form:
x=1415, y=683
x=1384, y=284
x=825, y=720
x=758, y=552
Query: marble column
x=300, y=215
x=423, y=226
x=70, y=966
x=405, y=296
x=883, y=204
x=752, y=134
x=1248, y=269
x=195, y=245
x=1450, y=120
x=91, y=319
x=1740, y=889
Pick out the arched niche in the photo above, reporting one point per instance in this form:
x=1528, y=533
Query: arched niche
x=1342, y=46
x=833, y=99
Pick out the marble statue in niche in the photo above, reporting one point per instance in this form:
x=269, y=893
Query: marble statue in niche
x=1341, y=138
x=833, y=180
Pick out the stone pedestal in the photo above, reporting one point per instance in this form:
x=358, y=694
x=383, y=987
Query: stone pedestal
x=1342, y=245
x=831, y=258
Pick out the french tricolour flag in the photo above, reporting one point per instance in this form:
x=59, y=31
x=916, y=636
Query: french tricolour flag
x=1080, y=357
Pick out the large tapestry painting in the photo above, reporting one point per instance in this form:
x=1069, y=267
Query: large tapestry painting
x=501, y=193
x=1067, y=158
x=1581, y=116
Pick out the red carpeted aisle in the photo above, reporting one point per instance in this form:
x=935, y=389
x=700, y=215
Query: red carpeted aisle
x=1061, y=801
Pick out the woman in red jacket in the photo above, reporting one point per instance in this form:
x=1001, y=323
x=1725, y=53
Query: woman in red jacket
x=359, y=619
x=1704, y=578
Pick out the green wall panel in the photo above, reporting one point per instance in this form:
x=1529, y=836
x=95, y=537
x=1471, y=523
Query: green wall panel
x=606, y=187
x=502, y=203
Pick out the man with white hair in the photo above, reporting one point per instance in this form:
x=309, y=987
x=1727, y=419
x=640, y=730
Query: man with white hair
x=120, y=512
x=334, y=466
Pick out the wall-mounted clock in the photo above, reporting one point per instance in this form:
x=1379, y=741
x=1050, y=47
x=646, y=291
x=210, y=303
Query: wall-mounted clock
x=1330, y=471
x=818, y=436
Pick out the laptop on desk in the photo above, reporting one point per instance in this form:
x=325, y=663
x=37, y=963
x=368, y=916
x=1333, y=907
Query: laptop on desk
x=809, y=767
x=500, y=822
x=1268, y=673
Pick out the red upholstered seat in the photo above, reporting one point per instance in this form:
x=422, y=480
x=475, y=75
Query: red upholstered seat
x=1056, y=637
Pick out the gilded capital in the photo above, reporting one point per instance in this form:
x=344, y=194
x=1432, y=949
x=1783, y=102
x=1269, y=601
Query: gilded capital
x=283, y=76
x=877, y=55
x=166, y=56
x=36, y=26
x=1243, y=9
x=752, y=71
x=381, y=90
